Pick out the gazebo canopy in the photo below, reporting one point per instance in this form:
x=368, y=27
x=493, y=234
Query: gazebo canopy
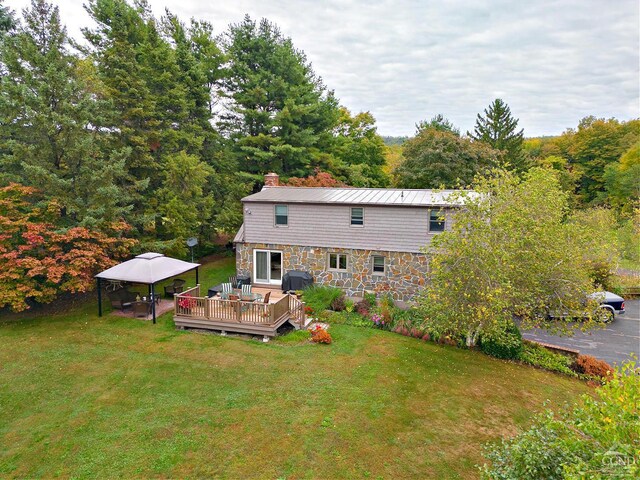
x=148, y=268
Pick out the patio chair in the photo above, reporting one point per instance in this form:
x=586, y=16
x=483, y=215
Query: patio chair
x=122, y=298
x=266, y=297
x=246, y=290
x=227, y=288
x=233, y=280
x=177, y=286
x=141, y=309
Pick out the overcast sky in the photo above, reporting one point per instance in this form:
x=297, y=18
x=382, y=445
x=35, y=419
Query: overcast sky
x=553, y=62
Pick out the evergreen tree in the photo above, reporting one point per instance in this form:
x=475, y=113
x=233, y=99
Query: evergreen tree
x=53, y=123
x=439, y=122
x=279, y=116
x=497, y=128
x=161, y=97
x=7, y=22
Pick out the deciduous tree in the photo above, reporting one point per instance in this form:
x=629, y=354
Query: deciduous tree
x=435, y=158
x=510, y=251
x=39, y=260
x=320, y=179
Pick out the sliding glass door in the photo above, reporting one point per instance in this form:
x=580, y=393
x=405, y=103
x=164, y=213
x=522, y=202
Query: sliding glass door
x=267, y=266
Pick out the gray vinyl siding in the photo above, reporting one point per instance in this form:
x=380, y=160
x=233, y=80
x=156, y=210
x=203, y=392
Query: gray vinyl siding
x=397, y=229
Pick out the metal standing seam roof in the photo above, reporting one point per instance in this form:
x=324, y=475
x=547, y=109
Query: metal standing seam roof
x=356, y=196
x=147, y=268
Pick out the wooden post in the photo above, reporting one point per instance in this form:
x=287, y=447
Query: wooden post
x=99, y=297
x=197, y=282
x=238, y=311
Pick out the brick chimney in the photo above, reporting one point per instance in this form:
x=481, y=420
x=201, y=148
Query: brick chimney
x=271, y=180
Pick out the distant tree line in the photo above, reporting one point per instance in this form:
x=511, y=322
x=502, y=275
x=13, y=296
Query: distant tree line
x=597, y=164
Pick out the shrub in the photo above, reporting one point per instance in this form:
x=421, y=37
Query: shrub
x=596, y=438
x=339, y=303
x=387, y=301
x=370, y=299
x=506, y=344
x=588, y=365
x=348, y=318
x=320, y=335
x=538, y=356
x=363, y=307
x=320, y=297
x=349, y=306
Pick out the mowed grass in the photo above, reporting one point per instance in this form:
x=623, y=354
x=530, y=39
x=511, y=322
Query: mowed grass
x=83, y=396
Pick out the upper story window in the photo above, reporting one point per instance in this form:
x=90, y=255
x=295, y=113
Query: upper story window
x=338, y=261
x=282, y=215
x=357, y=216
x=436, y=220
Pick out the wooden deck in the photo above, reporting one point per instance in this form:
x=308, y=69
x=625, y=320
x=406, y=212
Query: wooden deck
x=193, y=311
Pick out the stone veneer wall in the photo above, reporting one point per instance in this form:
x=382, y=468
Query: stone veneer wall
x=405, y=272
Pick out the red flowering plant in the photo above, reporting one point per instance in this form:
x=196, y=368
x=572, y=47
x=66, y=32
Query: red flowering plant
x=186, y=301
x=308, y=310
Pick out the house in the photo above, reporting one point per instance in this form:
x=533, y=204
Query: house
x=353, y=238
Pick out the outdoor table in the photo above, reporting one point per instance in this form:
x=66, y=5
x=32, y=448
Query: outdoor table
x=253, y=297
x=148, y=299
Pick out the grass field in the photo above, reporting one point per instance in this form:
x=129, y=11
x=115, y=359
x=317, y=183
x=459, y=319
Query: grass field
x=82, y=396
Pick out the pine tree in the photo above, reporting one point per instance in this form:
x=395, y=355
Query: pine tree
x=497, y=128
x=161, y=99
x=279, y=114
x=7, y=22
x=53, y=123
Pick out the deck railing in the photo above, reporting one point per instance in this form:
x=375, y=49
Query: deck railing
x=296, y=307
x=190, y=304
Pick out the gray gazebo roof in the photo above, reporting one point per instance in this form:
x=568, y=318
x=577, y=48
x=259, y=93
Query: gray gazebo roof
x=147, y=268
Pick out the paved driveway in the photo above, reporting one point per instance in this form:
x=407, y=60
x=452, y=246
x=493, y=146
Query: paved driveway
x=614, y=343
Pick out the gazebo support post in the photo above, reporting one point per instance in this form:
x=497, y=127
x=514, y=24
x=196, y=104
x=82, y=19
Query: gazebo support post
x=153, y=302
x=99, y=296
x=197, y=280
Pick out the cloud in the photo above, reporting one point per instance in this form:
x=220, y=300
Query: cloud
x=407, y=60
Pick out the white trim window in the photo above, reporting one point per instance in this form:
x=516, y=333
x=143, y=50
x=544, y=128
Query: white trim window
x=357, y=216
x=436, y=220
x=338, y=262
x=281, y=215
x=379, y=266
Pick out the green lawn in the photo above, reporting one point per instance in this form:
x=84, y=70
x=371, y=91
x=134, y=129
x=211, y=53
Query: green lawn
x=82, y=396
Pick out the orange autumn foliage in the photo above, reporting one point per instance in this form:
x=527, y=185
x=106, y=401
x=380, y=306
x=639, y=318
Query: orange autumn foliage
x=41, y=260
x=588, y=365
x=320, y=179
x=320, y=335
